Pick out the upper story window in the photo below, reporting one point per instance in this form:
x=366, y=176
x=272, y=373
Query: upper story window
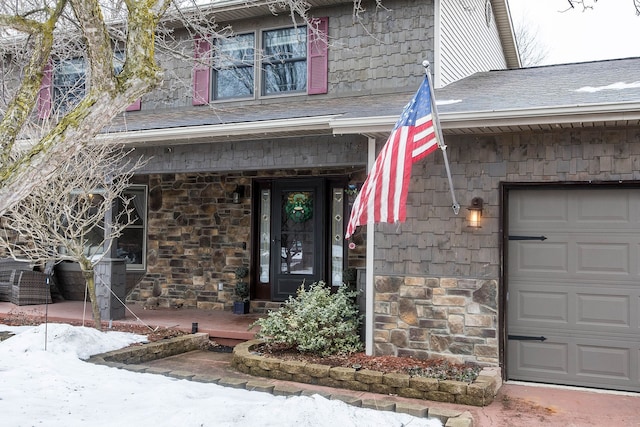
x=284, y=66
x=68, y=83
x=64, y=85
x=292, y=60
x=234, y=68
x=118, y=61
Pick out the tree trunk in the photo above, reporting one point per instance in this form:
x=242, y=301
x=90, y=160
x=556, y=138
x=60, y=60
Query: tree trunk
x=90, y=283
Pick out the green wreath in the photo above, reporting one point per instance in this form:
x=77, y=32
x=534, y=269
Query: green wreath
x=299, y=207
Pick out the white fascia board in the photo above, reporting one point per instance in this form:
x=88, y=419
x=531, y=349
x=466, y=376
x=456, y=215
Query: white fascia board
x=249, y=129
x=536, y=116
x=363, y=125
x=475, y=119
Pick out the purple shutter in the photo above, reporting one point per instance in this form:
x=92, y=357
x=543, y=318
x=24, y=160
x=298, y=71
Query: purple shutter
x=317, y=57
x=135, y=106
x=44, y=94
x=201, y=71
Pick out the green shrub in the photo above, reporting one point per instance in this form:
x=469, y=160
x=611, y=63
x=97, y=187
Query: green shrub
x=315, y=321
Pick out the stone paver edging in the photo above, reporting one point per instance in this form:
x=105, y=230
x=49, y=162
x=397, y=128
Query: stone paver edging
x=133, y=359
x=479, y=393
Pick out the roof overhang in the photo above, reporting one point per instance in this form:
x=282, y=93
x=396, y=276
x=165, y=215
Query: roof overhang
x=506, y=32
x=458, y=123
x=474, y=122
x=263, y=129
x=578, y=116
x=234, y=10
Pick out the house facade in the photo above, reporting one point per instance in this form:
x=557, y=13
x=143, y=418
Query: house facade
x=256, y=161
x=234, y=151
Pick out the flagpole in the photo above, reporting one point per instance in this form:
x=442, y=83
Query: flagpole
x=436, y=122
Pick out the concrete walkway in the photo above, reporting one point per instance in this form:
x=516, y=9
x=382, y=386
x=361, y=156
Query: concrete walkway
x=517, y=404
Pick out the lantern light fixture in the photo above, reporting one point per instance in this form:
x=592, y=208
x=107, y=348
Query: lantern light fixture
x=475, y=212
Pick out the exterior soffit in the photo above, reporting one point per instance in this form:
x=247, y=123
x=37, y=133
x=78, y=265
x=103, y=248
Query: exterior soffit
x=506, y=32
x=233, y=10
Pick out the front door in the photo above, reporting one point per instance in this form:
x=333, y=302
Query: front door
x=297, y=245
x=298, y=235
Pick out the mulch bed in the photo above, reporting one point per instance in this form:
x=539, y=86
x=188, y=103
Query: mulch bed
x=153, y=334
x=432, y=368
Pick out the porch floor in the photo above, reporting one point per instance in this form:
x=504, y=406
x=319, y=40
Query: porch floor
x=220, y=325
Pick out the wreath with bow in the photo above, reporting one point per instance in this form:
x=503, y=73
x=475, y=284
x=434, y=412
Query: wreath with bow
x=299, y=207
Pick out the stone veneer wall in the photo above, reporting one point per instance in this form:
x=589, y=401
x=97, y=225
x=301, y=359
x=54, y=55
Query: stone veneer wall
x=197, y=236
x=436, y=317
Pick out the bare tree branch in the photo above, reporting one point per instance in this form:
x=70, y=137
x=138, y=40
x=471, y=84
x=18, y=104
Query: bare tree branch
x=24, y=100
x=64, y=219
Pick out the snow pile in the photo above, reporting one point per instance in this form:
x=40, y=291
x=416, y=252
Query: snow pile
x=78, y=341
x=56, y=388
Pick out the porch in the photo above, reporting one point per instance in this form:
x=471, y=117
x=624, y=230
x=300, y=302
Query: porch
x=222, y=326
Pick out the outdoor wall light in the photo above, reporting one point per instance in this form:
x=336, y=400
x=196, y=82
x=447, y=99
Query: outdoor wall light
x=238, y=193
x=475, y=212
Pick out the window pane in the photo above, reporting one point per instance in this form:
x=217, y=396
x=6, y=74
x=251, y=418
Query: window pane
x=265, y=235
x=297, y=233
x=132, y=242
x=136, y=207
x=235, y=82
x=285, y=77
x=94, y=236
x=130, y=245
x=118, y=61
x=337, y=248
x=285, y=62
x=234, y=67
x=288, y=43
x=68, y=83
x=238, y=50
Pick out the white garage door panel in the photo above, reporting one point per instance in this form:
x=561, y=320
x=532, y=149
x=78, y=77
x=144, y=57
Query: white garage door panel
x=579, y=288
x=576, y=307
x=536, y=211
x=611, y=209
x=595, y=362
x=603, y=310
x=603, y=258
x=604, y=362
x=541, y=306
x=541, y=257
x=579, y=256
x=539, y=359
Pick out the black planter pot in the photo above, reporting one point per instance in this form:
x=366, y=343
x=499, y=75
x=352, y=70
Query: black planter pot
x=241, y=307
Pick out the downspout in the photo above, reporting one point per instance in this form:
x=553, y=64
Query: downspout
x=369, y=290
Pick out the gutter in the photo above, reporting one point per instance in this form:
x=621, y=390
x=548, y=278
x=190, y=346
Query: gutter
x=612, y=112
x=542, y=116
x=263, y=128
x=381, y=125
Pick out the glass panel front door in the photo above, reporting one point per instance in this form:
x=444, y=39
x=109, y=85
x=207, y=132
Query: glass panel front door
x=298, y=231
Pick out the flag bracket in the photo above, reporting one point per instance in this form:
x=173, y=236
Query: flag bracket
x=434, y=111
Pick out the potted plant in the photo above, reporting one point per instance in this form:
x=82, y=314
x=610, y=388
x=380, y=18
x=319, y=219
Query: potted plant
x=241, y=304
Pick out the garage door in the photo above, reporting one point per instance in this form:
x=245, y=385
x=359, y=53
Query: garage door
x=573, y=301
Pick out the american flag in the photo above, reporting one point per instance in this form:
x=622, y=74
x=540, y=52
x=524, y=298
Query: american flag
x=383, y=195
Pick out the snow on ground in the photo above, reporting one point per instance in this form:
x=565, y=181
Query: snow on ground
x=57, y=388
